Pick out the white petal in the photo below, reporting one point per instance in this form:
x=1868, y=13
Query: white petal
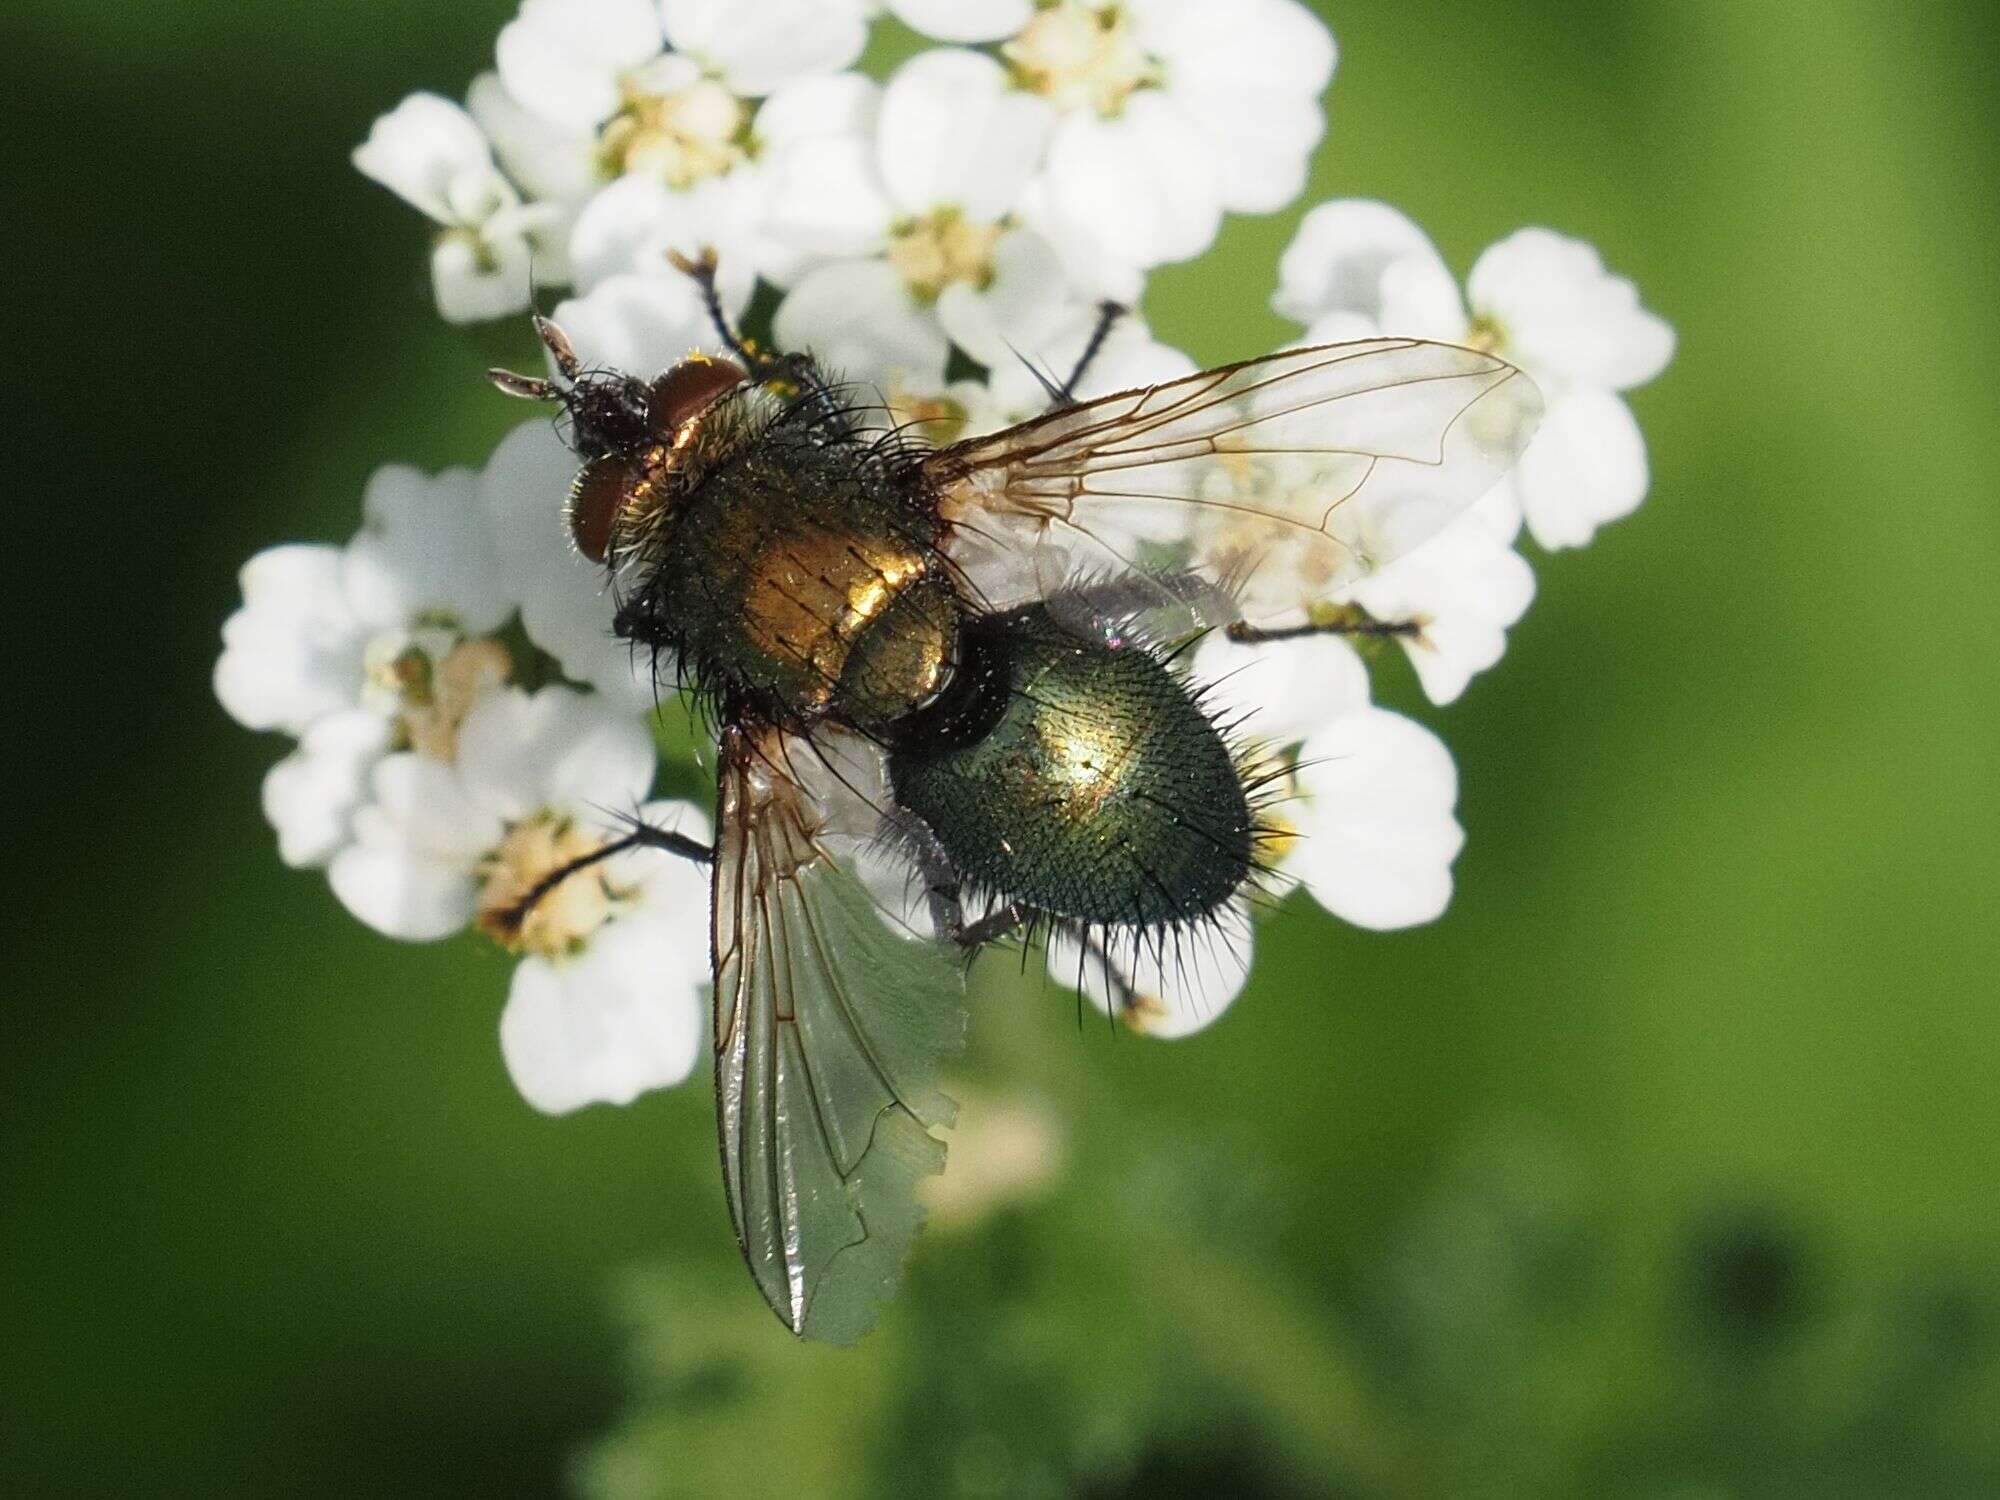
x=560, y=750
x=546, y=158
x=1336, y=261
x=1377, y=835
x=603, y=1027
x=1280, y=691
x=963, y=20
x=1465, y=587
x=857, y=317
x=1586, y=466
x=563, y=58
x=1141, y=185
x=1499, y=511
x=1419, y=299
x=954, y=132
x=643, y=324
x=409, y=873
x=1563, y=317
x=1247, y=77
x=565, y=599
x=425, y=549
x=412, y=900
x=310, y=796
x=1090, y=266
x=1340, y=328
x=827, y=200
x=1184, y=980
x=633, y=224
x=1023, y=307
x=1257, y=48
x=293, y=651
x=758, y=46
x=844, y=104
x=1261, y=152
x=477, y=278
x=431, y=153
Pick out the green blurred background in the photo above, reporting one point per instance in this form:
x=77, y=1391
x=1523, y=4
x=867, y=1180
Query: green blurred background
x=1665, y=1165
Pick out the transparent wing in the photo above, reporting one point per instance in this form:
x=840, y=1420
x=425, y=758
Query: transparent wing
x=1313, y=466
x=829, y=1033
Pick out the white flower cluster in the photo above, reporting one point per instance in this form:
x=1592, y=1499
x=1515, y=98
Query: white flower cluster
x=465, y=723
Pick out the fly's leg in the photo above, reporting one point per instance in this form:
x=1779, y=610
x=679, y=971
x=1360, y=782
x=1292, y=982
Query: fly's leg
x=701, y=271
x=642, y=835
x=1124, y=992
x=944, y=894
x=795, y=370
x=1340, y=619
x=1108, y=314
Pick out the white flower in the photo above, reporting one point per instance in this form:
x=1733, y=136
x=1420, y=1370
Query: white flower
x=634, y=226
x=1365, y=819
x=927, y=186
x=412, y=869
x=1275, y=693
x=310, y=796
x=1537, y=298
x=379, y=645
x=552, y=772
x=1373, y=815
x=434, y=155
x=565, y=599
x=606, y=1000
x=636, y=223
x=1174, y=112
x=608, y=87
x=624, y=1014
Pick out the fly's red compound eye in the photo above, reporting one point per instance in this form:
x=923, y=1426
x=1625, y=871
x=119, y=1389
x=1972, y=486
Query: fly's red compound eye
x=595, y=500
x=687, y=390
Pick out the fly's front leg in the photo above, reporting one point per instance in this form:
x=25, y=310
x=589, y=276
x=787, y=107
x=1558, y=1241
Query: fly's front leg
x=794, y=370
x=700, y=269
x=641, y=835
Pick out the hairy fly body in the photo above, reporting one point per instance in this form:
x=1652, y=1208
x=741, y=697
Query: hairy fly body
x=829, y=591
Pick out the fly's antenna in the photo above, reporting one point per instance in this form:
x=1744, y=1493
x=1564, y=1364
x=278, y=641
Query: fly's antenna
x=535, y=387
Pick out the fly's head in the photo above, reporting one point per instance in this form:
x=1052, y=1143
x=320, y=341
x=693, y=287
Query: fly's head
x=640, y=441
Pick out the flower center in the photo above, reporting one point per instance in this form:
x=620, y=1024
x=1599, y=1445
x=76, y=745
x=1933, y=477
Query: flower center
x=561, y=919
x=428, y=680
x=1485, y=334
x=942, y=247
x=681, y=136
x=1079, y=55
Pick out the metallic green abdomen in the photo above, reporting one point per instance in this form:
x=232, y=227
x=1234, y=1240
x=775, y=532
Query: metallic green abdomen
x=1087, y=783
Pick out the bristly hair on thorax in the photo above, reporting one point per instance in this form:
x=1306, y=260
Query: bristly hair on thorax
x=797, y=435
